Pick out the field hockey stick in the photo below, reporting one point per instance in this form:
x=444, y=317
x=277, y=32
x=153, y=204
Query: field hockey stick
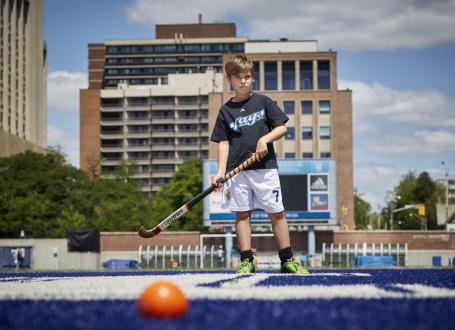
x=186, y=207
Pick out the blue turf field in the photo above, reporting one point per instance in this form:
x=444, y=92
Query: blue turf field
x=327, y=299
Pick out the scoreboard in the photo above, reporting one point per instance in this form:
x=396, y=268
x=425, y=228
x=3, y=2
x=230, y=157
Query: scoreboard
x=308, y=188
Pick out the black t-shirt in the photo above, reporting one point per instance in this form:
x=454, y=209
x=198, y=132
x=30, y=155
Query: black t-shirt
x=243, y=124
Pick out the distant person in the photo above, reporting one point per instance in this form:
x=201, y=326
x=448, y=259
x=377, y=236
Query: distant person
x=20, y=257
x=220, y=255
x=250, y=123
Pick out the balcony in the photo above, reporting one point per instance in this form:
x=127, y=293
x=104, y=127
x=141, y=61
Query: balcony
x=144, y=134
x=111, y=161
x=140, y=161
x=136, y=122
x=142, y=175
x=109, y=121
x=163, y=106
x=190, y=106
x=158, y=160
x=163, y=147
x=110, y=108
x=136, y=107
x=137, y=148
x=158, y=133
x=163, y=120
x=187, y=133
x=188, y=120
x=113, y=148
x=188, y=146
x=162, y=174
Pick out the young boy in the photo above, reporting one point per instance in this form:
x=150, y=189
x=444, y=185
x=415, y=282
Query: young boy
x=249, y=123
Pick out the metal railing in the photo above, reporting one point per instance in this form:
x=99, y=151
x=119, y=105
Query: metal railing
x=343, y=255
x=181, y=256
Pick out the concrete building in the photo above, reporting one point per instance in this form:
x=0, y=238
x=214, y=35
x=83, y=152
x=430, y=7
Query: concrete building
x=23, y=66
x=157, y=83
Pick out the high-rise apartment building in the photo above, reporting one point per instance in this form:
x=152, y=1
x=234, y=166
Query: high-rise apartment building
x=147, y=100
x=23, y=65
x=155, y=102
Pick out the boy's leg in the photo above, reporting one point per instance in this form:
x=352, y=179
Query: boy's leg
x=280, y=230
x=243, y=230
x=281, y=233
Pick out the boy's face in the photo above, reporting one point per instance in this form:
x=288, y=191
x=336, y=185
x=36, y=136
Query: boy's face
x=241, y=82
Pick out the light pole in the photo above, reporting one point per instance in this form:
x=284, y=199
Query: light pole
x=446, y=174
x=392, y=205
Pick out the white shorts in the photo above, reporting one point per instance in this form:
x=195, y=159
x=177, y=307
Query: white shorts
x=253, y=189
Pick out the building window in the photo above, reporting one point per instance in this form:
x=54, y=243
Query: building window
x=306, y=75
x=288, y=107
x=290, y=134
x=270, y=75
x=289, y=155
x=325, y=155
x=307, y=133
x=187, y=100
x=307, y=107
x=205, y=48
x=325, y=133
x=307, y=155
x=112, y=50
x=288, y=75
x=324, y=107
x=323, y=74
x=163, y=100
x=256, y=81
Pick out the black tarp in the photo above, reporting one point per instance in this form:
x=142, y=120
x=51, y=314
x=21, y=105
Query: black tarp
x=84, y=240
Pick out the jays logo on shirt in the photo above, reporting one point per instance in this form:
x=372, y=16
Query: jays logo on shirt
x=249, y=120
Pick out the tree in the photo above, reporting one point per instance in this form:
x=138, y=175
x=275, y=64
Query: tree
x=184, y=185
x=413, y=190
x=361, y=211
x=45, y=196
x=34, y=189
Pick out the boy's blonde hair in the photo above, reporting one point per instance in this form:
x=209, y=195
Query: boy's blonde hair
x=239, y=64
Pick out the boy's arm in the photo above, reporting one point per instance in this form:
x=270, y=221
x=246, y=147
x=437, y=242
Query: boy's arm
x=277, y=133
x=223, y=152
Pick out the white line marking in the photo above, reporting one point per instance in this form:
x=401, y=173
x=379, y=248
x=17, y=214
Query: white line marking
x=130, y=287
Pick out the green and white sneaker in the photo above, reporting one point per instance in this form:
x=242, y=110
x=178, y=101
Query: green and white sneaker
x=293, y=267
x=246, y=267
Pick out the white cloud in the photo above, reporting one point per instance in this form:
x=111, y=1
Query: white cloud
x=69, y=143
x=396, y=132
x=349, y=24
x=63, y=90
x=415, y=107
x=390, y=122
x=416, y=143
x=374, y=180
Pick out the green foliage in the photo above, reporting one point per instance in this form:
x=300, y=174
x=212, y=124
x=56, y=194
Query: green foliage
x=44, y=196
x=185, y=184
x=361, y=211
x=414, y=190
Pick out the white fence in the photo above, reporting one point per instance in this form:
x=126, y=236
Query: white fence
x=342, y=255
x=182, y=256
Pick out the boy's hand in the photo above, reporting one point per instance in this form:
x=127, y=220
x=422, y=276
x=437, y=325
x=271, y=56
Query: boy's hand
x=217, y=178
x=261, y=148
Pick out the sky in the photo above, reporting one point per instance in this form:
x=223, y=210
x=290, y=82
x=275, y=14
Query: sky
x=398, y=58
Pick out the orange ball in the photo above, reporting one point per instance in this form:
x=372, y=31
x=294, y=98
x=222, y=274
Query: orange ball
x=163, y=299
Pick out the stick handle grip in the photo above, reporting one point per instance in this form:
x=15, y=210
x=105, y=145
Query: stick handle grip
x=252, y=159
